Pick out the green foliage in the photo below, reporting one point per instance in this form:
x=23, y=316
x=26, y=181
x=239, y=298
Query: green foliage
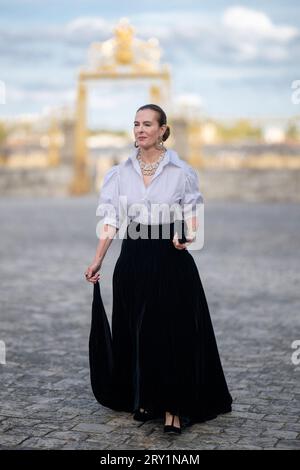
x=3, y=133
x=292, y=131
x=242, y=129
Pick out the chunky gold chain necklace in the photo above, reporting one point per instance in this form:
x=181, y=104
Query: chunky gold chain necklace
x=149, y=169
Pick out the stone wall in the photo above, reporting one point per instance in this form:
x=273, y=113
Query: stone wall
x=250, y=184
x=216, y=184
x=35, y=182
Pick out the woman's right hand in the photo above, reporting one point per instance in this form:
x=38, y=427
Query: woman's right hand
x=91, y=273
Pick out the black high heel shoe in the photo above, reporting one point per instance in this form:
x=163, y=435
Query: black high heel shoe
x=171, y=427
x=142, y=415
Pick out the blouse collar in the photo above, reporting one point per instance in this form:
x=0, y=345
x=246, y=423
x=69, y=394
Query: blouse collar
x=170, y=156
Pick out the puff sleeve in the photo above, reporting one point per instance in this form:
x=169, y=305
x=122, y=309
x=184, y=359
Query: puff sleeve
x=108, y=202
x=192, y=197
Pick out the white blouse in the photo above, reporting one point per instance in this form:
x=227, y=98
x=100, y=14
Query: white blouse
x=173, y=192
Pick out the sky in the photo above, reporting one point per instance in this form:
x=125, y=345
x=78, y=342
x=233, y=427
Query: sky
x=229, y=59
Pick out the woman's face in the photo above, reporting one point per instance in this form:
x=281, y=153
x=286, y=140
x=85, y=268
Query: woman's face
x=147, y=130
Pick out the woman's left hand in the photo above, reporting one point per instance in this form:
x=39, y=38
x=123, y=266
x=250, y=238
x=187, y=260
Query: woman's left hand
x=182, y=246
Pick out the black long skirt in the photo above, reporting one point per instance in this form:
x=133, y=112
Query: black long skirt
x=160, y=352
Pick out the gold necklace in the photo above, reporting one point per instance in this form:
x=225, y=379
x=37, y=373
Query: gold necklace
x=149, y=169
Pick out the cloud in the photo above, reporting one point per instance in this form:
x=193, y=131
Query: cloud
x=237, y=47
x=237, y=35
x=86, y=29
x=36, y=40
x=22, y=95
x=255, y=25
x=252, y=35
x=88, y=25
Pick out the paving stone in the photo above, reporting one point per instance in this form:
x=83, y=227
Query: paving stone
x=12, y=440
x=249, y=270
x=27, y=431
x=259, y=441
x=291, y=427
x=67, y=435
x=42, y=443
x=93, y=427
x=281, y=418
x=291, y=444
x=281, y=434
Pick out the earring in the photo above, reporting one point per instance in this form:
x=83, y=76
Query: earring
x=135, y=144
x=160, y=143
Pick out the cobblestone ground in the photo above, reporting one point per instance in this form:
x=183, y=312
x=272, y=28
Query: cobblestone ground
x=250, y=272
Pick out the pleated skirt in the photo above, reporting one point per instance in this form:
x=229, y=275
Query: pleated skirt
x=160, y=351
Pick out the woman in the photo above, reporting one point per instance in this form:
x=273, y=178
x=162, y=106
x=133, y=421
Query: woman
x=160, y=359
